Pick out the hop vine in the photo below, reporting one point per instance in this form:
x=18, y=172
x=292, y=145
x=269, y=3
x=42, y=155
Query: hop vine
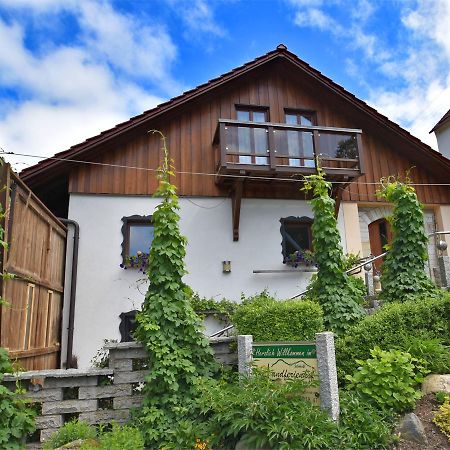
x=168, y=327
x=332, y=287
x=402, y=274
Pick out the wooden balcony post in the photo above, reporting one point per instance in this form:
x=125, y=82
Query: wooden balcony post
x=360, y=153
x=223, y=149
x=272, y=149
x=316, y=146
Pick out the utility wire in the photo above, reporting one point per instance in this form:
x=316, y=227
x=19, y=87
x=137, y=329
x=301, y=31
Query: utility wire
x=182, y=172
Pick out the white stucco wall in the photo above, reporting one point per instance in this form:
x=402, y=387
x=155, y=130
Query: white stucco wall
x=104, y=290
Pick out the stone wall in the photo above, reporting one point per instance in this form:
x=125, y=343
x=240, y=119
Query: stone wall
x=95, y=395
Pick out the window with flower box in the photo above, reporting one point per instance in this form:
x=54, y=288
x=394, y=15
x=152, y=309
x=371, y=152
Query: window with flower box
x=296, y=241
x=137, y=234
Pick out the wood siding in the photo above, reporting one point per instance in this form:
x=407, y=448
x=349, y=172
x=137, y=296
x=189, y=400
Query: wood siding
x=30, y=322
x=191, y=128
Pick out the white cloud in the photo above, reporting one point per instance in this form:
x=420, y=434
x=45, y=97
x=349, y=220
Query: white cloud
x=418, y=67
x=198, y=16
x=68, y=93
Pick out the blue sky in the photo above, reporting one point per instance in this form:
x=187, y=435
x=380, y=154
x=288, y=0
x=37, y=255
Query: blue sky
x=72, y=68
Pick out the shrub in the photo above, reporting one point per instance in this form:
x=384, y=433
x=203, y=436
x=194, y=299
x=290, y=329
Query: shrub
x=388, y=379
x=393, y=326
x=271, y=320
x=263, y=413
x=363, y=426
x=121, y=437
x=220, y=308
x=267, y=414
x=69, y=432
x=16, y=417
x=442, y=418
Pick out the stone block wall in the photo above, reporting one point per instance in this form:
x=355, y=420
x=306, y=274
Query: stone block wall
x=96, y=395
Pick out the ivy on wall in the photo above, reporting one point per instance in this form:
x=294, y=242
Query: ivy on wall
x=167, y=325
x=332, y=287
x=402, y=274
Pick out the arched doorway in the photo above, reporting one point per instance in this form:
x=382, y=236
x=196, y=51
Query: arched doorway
x=380, y=234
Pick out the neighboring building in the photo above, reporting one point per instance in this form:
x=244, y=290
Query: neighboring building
x=238, y=142
x=442, y=132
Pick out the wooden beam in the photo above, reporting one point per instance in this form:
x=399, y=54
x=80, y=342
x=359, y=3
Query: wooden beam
x=236, y=197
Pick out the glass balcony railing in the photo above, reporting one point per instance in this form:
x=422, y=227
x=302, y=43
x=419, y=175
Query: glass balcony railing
x=284, y=148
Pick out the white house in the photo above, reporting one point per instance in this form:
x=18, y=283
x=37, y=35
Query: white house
x=240, y=143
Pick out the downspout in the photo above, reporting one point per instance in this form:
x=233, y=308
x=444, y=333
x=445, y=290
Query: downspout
x=73, y=289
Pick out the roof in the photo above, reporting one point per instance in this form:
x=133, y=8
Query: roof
x=444, y=119
x=33, y=174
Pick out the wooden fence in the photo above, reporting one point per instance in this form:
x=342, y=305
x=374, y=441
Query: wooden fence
x=30, y=320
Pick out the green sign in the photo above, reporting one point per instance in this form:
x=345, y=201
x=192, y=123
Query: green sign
x=289, y=360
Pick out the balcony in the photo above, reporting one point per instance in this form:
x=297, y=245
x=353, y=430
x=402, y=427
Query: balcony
x=279, y=151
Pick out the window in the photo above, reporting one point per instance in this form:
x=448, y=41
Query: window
x=252, y=141
x=300, y=144
x=137, y=237
x=296, y=238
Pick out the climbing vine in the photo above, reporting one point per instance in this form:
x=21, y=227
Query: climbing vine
x=332, y=287
x=168, y=327
x=402, y=274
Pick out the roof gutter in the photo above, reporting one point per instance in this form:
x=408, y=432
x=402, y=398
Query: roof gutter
x=73, y=289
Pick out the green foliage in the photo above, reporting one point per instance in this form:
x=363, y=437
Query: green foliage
x=69, y=432
x=221, y=309
x=442, y=396
x=264, y=413
x=16, y=416
x=167, y=325
x=442, y=418
x=388, y=379
x=274, y=415
x=363, y=426
x=402, y=273
x=270, y=320
x=332, y=287
x=394, y=326
x=121, y=437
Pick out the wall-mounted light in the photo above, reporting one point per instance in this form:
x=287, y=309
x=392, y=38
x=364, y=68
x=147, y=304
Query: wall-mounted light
x=442, y=246
x=226, y=266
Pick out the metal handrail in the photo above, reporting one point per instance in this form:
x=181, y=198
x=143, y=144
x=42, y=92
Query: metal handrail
x=362, y=264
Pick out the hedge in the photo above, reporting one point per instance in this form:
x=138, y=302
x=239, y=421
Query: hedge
x=272, y=320
x=396, y=325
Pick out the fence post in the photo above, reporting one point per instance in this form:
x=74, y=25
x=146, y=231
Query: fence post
x=245, y=343
x=326, y=362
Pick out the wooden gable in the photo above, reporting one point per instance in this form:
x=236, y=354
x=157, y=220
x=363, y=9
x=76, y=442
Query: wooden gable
x=190, y=130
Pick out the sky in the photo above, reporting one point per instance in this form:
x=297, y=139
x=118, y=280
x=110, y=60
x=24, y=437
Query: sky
x=70, y=69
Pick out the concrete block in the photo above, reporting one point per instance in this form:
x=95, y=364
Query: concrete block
x=46, y=434
x=94, y=392
x=121, y=365
x=45, y=395
x=130, y=377
x=105, y=416
x=128, y=402
x=68, y=406
x=44, y=422
x=70, y=382
x=129, y=353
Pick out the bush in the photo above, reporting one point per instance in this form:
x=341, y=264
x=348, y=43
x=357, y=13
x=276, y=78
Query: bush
x=271, y=320
x=120, y=437
x=393, y=326
x=220, y=308
x=388, y=379
x=267, y=414
x=69, y=432
x=259, y=411
x=16, y=417
x=442, y=418
x=363, y=426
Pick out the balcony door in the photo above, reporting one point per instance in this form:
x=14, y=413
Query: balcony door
x=252, y=142
x=300, y=146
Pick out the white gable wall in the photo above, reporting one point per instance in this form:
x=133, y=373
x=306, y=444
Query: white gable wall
x=104, y=290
